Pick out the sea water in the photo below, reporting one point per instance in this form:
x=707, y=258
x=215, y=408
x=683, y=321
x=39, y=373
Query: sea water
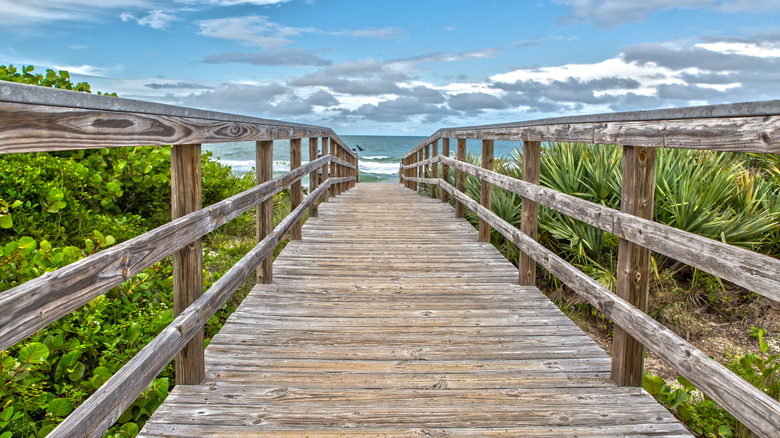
x=379, y=160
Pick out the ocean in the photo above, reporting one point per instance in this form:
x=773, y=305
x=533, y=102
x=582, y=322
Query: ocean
x=379, y=160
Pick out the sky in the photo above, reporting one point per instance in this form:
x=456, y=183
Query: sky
x=402, y=67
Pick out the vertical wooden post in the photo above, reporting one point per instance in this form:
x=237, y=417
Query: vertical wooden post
x=529, y=215
x=415, y=172
x=265, y=211
x=421, y=169
x=434, y=167
x=314, y=151
x=459, y=176
x=296, y=193
x=325, y=145
x=486, y=196
x=333, y=165
x=340, y=169
x=633, y=261
x=357, y=170
x=427, y=167
x=445, y=170
x=188, y=261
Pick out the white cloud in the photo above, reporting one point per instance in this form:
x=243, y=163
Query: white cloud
x=258, y=30
x=743, y=48
x=32, y=12
x=157, y=19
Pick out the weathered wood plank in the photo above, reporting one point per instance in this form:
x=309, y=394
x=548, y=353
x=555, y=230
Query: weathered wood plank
x=296, y=191
x=265, y=211
x=314, y=177
x=460, y=176
x=633, y=272
x=362, y=332
x=486, y=190
x=188, y=261
x=529, y=211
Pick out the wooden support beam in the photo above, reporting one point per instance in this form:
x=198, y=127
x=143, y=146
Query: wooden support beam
x=325, y=168
x=421, y=170
x=445, y=170
x=188, y=261
x=296, y=192
x=633, y=261
x=434, y=167
x=529, y=214
x=314, y=150
x=333, y=174
x=427, y=167
x=486, y=195
x=265, y=211
x=459, y=177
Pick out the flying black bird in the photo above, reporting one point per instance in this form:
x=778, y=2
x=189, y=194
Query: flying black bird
x=359, y=148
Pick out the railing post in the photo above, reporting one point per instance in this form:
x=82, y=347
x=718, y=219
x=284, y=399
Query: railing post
x=357, y=171
x=188, y=261
x=633, y=261
x=529, y=214
x=459, y=176
x=434, y=167
x=415, y=170
x=486, y=195
x=296, y=193
x=421, y=169
x=265, y=211
x=314, y=176
x=325, y=145
x=445, y=170
x=334, y=188
x=427, y=167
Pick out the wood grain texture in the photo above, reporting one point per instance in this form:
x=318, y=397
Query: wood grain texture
x=460, y=176
x=445, y=169
x=93, y=417
x=633, y=271
x=434, y=168
x=296, y=190
x=486, y=191
x=188, y=261
x=529, y=211
x=265, y=211
x=314, y=151
x=325, y=168
x=41, y=301
x=389, y=318
x=750, y=405
x=740, y=266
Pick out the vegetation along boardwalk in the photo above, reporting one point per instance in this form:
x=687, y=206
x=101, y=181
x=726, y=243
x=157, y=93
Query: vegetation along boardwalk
x=390, y=318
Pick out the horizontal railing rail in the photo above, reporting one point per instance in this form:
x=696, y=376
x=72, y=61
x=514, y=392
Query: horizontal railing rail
x=35, y=119
x=749, y=127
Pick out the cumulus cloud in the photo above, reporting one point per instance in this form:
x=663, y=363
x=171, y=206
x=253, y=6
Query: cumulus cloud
x=714, y=70
x=176, y=85
x=284, y=57
x=475, y=102
x=297, y=106
x=401, y=109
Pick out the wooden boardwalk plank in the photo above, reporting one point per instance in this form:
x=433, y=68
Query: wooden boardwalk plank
x=389, y=319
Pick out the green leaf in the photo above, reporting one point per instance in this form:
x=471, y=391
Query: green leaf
x=686, y=383
x=6, y=435
x=28, y=243
x=653, y=384
x=59, y=407
x=6, y=221
x=77, y=372
x=9, y=248
x=45, y=430
x=131, y=429
x=7, y=413
x=34, y=353
x=725, y=431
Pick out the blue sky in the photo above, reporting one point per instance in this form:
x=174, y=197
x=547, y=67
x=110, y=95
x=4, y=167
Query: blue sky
x=406, y=67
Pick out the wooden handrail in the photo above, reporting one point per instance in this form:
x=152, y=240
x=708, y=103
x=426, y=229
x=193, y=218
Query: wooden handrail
x=738, y=127
x=40, y=119
x=747, y=403
x=103, y=408
x=749, y=127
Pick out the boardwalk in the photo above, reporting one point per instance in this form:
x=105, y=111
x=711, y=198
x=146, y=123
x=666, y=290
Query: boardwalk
x=390, y=319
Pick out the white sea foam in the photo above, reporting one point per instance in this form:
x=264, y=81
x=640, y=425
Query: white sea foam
x=239, y=166
x=377, y=157
x=379, y=168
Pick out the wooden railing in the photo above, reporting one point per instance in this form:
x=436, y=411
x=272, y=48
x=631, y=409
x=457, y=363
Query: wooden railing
x=34, y=119
x=748, y=127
